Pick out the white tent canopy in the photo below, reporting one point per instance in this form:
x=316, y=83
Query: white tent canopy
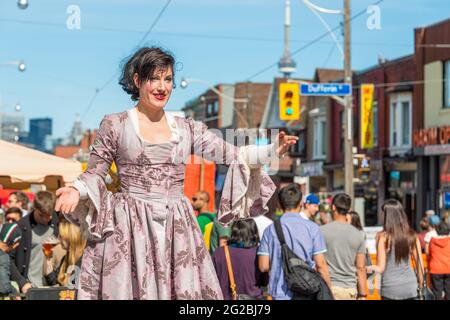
x=25, y=165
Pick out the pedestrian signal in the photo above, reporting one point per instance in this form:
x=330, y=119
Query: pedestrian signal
x=289, y=101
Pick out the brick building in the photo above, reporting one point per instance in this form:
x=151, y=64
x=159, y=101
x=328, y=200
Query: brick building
x=431, y=118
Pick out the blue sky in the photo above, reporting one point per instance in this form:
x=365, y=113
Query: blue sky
x=219, y=41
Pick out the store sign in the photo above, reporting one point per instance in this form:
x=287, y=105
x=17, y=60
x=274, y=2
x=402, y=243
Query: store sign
x=311, y=169
x=367, y=116
x=431, y=136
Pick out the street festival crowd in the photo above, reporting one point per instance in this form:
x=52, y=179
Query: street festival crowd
x=40, y=248
x=145, y=242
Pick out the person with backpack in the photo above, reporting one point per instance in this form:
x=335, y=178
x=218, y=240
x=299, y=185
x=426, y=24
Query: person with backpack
x=292, y=249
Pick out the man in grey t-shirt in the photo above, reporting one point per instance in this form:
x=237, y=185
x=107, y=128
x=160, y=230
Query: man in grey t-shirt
x=346, y=253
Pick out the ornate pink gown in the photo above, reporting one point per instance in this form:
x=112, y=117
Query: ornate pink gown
x=144, y=241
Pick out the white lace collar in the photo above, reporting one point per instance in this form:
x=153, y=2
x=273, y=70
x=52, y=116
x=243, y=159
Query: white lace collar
x=170, y=120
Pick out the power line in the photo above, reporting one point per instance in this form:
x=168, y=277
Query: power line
x=221, y=37
x=414, y=82
x=316, y=40
x=154, y=23
x=329, y=55
x=98, y=90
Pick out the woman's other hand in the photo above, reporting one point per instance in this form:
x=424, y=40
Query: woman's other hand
x=68, y=198
x=284, y=142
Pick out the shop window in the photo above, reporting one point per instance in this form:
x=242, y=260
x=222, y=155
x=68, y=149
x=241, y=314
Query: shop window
x=400, y=121
x=319, y=138
x=210, y=109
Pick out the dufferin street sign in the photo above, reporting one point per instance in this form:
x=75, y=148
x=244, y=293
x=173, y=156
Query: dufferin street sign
x=326, y=89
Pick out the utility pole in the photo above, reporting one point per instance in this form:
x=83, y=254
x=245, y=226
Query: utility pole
x=348, y=149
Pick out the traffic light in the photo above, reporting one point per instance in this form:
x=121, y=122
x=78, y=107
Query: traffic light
x=289, y=101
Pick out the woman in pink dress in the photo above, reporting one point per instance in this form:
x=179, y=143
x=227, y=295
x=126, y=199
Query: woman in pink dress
x=144, y=241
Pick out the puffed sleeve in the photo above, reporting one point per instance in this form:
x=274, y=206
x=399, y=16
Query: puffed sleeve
x=247, y=188
x=94, y=213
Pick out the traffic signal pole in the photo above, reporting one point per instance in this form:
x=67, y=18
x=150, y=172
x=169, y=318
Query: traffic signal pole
x=348, y=148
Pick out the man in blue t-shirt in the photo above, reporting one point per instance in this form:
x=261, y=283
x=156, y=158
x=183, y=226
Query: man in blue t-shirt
x=303, y=237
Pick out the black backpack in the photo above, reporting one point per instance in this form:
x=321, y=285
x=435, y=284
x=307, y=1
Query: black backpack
x=301, y=279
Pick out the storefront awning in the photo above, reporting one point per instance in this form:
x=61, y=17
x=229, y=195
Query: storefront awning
x=24, y=166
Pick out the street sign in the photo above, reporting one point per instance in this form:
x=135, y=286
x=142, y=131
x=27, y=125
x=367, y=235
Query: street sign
x=326, y=89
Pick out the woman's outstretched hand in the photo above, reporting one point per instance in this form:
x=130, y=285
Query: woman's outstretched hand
x=284, y=142
x=67, y=201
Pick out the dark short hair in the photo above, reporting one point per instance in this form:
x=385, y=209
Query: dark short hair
x=442, y=229
x=290, y=196
x=244, y=233
x=342, y=202
x=44, y=202
x=21, y=197
x=13, y=210
x=145, y=62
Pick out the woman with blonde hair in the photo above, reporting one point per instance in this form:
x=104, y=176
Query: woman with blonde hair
x=74, y=243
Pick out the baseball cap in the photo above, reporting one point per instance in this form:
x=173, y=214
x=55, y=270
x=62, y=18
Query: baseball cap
x=434, y=220
x=312, y=199
x=10, y=233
